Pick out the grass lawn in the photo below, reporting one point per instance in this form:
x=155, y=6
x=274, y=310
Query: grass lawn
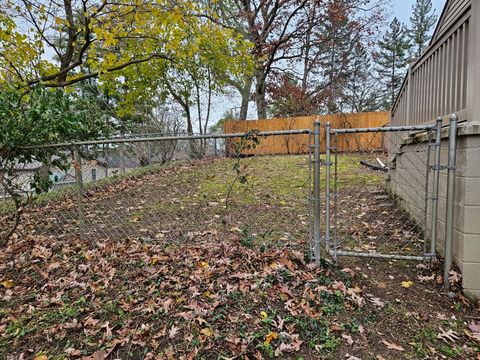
x=179, y=263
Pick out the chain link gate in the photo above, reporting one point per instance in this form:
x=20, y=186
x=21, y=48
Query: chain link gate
x=382, y=203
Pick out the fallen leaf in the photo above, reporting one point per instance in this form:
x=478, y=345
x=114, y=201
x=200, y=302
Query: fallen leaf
x=173, y=331
x=426, y=278
x=203, y=264
x=73, y=352
x=351, y=357
x=475, y=328
x=100, y=354
x=335, y=328
x=448, y=335
x=407, y=284
x=7, y=284
x=90, y=321
x=40, y=357
x=270, y=336
x=454, y=277
x=207, y=332
x=348, y=339
x=377, y=302
x=393, y=346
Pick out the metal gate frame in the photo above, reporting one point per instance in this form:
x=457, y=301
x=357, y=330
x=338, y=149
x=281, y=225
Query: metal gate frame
x=430, y=255
x=328, y=194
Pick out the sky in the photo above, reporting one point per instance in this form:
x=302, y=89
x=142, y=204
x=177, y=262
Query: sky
x=402, y=9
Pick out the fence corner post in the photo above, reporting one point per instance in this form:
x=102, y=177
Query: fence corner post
x=77, y=165
x=316, y=191
x=452, y=150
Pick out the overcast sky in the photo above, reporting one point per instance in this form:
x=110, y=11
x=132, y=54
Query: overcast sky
x=403, y=8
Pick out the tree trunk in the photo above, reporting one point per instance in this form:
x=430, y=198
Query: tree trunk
x=191, y=142
x=245, y=93
x=201, y=129
x=260, y=95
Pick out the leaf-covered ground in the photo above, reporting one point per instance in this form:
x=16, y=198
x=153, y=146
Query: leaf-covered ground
x=205, y=283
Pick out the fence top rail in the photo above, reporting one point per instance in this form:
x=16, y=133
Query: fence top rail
x=169, y=138
x=384, y=129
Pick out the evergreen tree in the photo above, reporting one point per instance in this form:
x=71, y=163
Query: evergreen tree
x=362, y=92
x=338, y=37
x=423, y=19
x=392, y=60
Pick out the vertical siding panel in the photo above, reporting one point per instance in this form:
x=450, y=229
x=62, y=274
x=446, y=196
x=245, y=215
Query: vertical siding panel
x=458, y=69
x=427, y=90
x=434, y=83
x=421, y=84
x=415, y=97
x=438, y=83
x=454, y=81
x=448, y=87
x=428, y=104
x=422, y=93
x=465, y=65
x=442, y=79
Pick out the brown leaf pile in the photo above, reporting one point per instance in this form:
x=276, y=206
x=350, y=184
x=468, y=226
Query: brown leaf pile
x=110, y=298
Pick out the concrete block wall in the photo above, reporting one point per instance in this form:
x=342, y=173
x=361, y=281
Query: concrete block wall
x=406, y=179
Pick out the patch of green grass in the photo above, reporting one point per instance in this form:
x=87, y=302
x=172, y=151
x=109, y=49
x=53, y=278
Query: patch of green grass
x=40, y=320
x=315, y=331
x=451, y=352
x=424, y=340
x=19, y=327
x=333, y=303
x=428, y=333
x=64, y=314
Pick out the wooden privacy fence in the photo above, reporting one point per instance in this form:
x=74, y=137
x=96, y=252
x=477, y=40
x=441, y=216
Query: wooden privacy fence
x=299, y=144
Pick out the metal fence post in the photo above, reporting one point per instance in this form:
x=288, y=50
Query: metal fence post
x=215, y=147
x=122, y=160
x=149, y=153
x=452, y=150
x=436, y=181
x=327, y=185
x=316, y=192
x=77, y=165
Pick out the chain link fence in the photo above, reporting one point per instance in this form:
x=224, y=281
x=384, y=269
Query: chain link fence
x=374, y=193
x=173, y=189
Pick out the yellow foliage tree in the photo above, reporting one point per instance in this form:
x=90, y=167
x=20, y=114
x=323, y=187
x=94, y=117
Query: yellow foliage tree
x=60, y=43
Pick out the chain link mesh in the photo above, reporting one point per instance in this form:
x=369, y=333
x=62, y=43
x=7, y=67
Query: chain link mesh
x=381, y=199
x=176, y=190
